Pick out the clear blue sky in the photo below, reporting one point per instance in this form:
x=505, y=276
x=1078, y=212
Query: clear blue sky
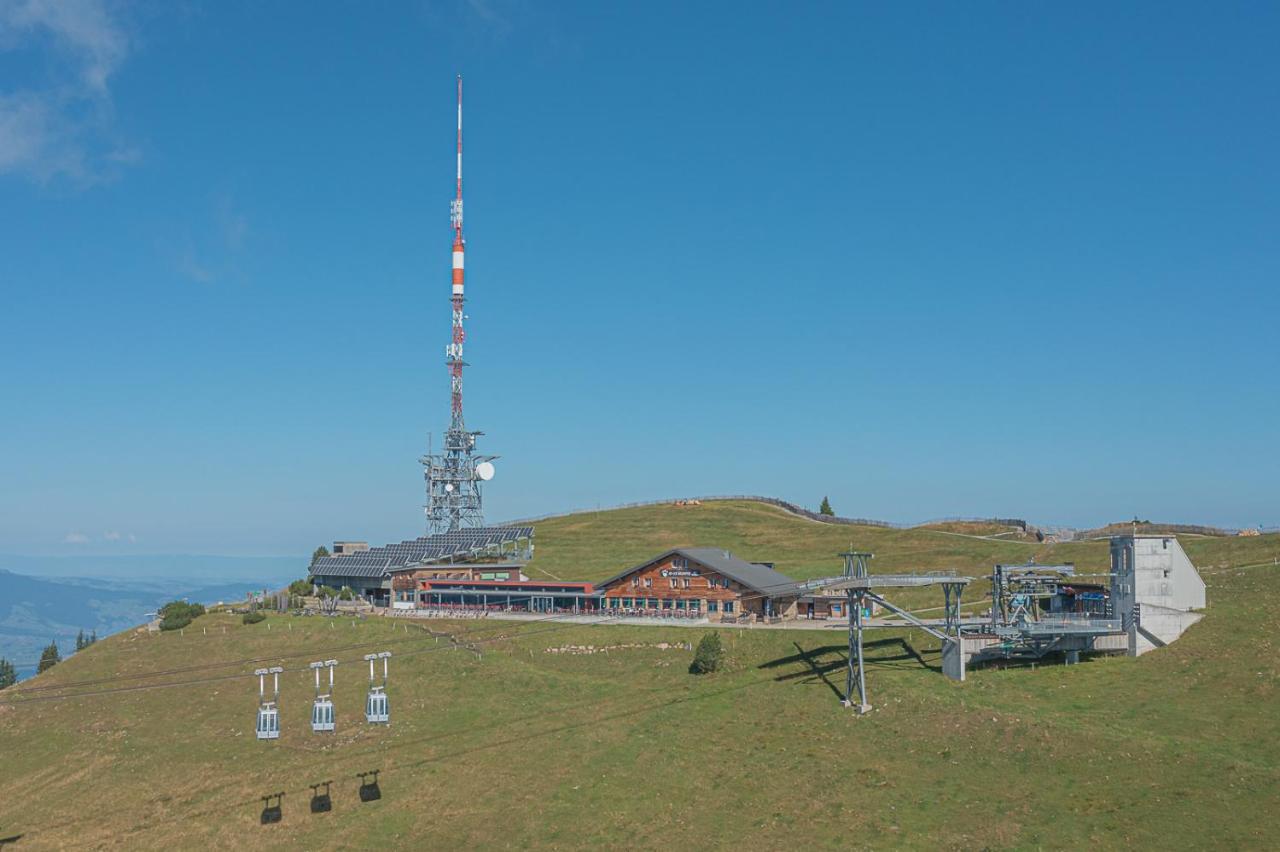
x=929, y=259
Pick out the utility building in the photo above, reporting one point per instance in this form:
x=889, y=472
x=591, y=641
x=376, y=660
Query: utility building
x=1155, y=590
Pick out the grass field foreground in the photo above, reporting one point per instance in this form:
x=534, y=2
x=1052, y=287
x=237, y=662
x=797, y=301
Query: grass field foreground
x=521, y=747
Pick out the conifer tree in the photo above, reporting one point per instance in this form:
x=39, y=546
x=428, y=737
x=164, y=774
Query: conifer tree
x=709, y=656
x=825, y=508
x=80, y=641
x=49, y=658
x=8, y=676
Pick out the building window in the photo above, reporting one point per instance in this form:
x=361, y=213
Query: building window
x=713, y=606
x=680, y=604
x=648, y=582
x=626, y=602
x=635, y=581
x=687, y=581
x=728, y=606
x=673, y=582
x=666, y=604
x=680, y=562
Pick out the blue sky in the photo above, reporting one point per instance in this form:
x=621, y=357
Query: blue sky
x=931, y=260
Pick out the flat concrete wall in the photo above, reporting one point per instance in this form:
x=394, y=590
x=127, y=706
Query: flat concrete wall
x=1157, y=626
x=954, y=658
x=1154, y=580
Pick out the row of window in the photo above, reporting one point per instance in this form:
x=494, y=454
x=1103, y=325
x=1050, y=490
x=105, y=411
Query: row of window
x=663, y=603
x=681, y=582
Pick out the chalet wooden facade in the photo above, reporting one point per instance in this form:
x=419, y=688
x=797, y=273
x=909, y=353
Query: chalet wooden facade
x=703, y=581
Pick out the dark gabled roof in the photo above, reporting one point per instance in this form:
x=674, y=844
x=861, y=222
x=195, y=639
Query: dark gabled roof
x=381, y=561
x=758, y=578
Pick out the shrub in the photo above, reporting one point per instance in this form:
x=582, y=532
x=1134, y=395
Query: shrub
x=299, y=587
x=346, y=594
x=253, y=617
x=178, y=614
x=709, y=656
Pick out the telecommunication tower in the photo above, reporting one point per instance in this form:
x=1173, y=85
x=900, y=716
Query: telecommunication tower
x=454, y=474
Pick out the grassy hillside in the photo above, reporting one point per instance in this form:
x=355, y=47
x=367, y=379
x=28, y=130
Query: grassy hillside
x=1180, y=749
x=596, y=545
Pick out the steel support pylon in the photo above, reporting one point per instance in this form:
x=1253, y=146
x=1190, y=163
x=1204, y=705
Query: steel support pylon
x=855, y=566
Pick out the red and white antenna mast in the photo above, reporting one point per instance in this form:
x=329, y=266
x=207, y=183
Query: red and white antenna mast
x=459, y=336
x=454, y=476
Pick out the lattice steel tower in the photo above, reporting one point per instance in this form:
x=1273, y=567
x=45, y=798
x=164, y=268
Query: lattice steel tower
x=454, y=474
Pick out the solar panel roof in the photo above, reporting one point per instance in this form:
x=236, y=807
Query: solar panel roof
x=379, y=561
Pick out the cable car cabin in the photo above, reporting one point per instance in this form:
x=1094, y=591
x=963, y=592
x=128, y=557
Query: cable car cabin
x=322, y=715
x=377, y=711
x=268, y=723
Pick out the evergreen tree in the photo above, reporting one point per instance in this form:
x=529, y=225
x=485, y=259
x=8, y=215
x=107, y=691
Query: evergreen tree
x=8, y=676
x=93, y=637
x=49, y=658
x=709, y=656
x=320, y=553
x=80, y=641
x=825, y=508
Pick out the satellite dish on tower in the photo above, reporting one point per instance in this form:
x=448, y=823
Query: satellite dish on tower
x=448, y=486
x=484, y=470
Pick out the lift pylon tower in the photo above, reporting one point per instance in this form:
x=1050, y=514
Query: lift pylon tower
x=857, y=583
x=855, y=567
x=455, y=473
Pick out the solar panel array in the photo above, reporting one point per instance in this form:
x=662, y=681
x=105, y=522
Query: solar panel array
x=377, y=561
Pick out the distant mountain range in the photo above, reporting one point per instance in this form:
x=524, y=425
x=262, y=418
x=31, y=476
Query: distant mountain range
x=57, y=597
x=181, y=568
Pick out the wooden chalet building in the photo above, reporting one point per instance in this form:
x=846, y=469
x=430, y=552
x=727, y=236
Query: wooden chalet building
x=701, y=581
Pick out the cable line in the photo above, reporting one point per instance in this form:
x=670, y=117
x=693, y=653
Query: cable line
x=254, y=660
x=18, y=699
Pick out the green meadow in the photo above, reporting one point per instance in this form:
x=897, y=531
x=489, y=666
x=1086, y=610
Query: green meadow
x=501, y=736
